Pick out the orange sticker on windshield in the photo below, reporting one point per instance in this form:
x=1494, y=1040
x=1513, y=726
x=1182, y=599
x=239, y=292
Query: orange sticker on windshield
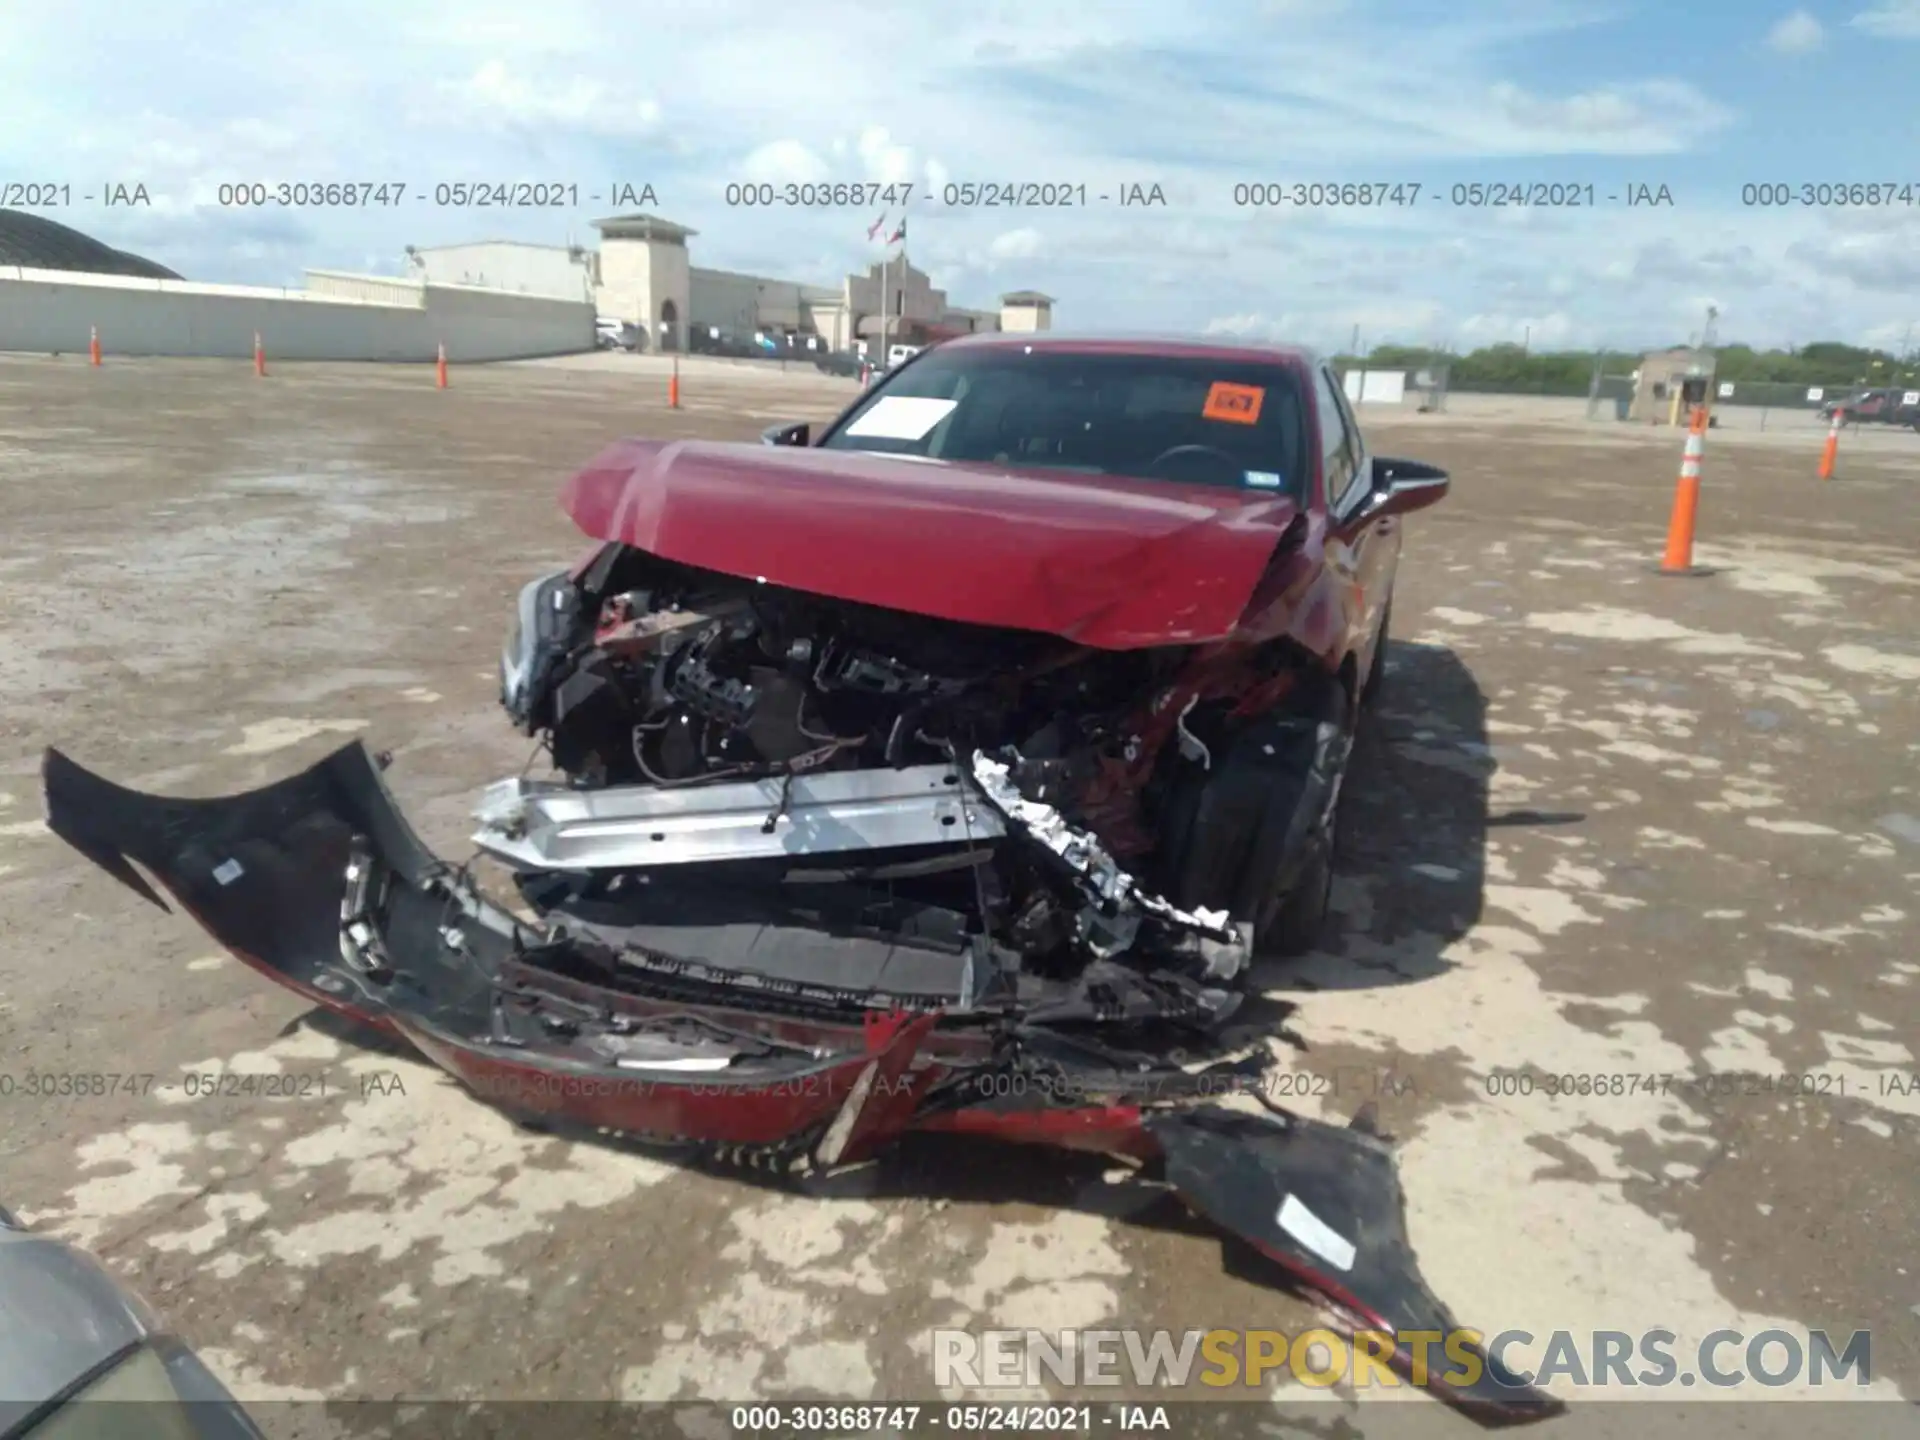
x=1237, y=403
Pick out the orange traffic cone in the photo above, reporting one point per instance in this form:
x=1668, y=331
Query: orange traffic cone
x=1831, y=449
x=259, y=355
x=440, y=367
x=1686, y=502
x=93, y=345
x=673, y=386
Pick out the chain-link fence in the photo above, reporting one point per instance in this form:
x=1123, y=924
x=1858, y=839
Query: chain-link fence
x=1608, y=395
x=1780, y=394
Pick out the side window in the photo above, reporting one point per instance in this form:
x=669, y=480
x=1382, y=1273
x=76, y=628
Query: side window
x=1336, y=451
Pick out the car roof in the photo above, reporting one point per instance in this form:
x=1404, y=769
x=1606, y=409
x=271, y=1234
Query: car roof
x=1217, y=347
x=62, y=1316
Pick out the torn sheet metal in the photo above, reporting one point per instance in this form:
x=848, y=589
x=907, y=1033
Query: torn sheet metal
x=1112, y=923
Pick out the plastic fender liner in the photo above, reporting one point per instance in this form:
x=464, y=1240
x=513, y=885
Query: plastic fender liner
x=263, y=872
x=1245, y=826
x=266, y=872
x=1324, y=1202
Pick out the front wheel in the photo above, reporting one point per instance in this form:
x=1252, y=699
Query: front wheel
x=1377, y=667
x=1255, y=836
x=1291, y=924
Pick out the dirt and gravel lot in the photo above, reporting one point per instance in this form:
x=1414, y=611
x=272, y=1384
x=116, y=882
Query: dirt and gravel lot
x=1626, y=943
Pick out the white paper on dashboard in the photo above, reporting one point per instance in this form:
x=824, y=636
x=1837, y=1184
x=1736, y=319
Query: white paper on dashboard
x=901, y=417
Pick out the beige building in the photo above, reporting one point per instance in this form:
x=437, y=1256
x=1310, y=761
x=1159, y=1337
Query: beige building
x=643, y=276
x=1669, y=383
x=1026, y=310
x=642, y=273
x=559, y=272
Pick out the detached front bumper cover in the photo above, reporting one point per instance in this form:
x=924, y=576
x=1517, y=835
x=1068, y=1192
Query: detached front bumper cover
x=320, y=884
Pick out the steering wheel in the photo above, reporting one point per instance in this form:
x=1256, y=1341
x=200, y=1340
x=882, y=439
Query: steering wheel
x=1182, y=451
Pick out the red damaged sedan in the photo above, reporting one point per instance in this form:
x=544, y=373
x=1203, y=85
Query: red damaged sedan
x=942, y=772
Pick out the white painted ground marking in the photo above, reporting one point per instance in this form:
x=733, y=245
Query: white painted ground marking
x=1601, y=622
x=1478, y=1186
x=1805, y=828
x=1881, y=664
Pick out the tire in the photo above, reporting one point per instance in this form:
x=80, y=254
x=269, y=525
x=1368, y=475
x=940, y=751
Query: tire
x=1297, y=925
x=1377, y=669
x=1255, y=835
x=1286, y=885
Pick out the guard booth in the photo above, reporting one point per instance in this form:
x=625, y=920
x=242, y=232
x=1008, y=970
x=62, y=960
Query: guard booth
x=1669, y=384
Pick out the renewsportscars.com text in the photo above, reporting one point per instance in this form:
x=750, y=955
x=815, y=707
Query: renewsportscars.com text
x=1007, y=1359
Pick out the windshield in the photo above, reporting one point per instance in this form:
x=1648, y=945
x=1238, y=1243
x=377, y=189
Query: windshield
x=158, y=1391
x=1186, y=418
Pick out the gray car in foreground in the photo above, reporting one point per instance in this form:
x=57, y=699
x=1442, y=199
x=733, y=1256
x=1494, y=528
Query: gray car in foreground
x=83, y=1358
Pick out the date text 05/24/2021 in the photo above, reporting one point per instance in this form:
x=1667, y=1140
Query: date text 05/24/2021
x=193, y=1085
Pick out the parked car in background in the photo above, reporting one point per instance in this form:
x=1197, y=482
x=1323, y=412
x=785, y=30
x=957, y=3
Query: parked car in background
x=1880, y=406
x=840, y=362
x=900, y=354
x=615, y=334
x=711, y=340
x=82, y=1357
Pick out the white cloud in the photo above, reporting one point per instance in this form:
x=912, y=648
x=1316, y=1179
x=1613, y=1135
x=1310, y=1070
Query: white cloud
x=1895, y=19
x=1249, y=326
x=1796, y=34
x=1886, y=261
x=882, y=159
x=689, y=98
x=495, y=95
x=782, y=162
x=1653, y=117
x=1022, y=244
x=1331, y=328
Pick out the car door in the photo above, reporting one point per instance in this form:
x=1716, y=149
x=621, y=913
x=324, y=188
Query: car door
x=1366, y=555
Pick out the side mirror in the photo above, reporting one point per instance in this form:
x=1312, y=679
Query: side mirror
x=794, y=434
x=1400, y=487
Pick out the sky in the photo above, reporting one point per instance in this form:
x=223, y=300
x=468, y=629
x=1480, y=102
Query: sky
x=1200, y=99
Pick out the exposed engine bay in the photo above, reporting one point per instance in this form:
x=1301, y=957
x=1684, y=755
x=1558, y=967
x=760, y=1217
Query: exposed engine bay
x=745, y=763
x=643, y=671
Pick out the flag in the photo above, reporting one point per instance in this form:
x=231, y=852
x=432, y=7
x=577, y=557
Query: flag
x=874, y=229
x=899, y=234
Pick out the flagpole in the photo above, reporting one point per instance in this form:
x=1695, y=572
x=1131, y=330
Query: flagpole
x=884, y=259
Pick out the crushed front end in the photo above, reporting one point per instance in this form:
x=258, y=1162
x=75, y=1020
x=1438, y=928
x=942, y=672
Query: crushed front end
x=654, y=1024
x=814, y=876
x=767, y=782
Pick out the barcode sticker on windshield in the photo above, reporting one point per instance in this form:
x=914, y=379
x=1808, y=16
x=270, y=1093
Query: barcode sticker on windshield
x=901, y=417
x=1239, y=404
